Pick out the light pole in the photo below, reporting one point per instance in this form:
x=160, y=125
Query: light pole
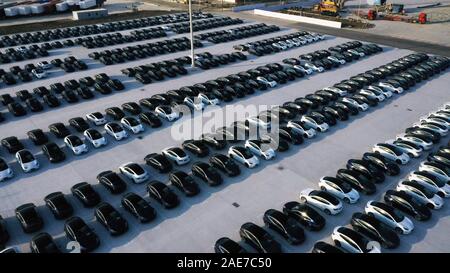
x=192, y=34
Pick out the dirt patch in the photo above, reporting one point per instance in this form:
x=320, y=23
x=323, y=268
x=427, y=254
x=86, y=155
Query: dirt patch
x=39, y=26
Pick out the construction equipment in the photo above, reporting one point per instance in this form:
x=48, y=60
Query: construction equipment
x=374, y=15
x=329, y=7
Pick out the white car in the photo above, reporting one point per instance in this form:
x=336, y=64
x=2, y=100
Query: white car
x=243, y=156
x=390, y=87
x=194, y=103
x=385, y=92
x=370, y=93
x=177, y=155
x=391, y=152
x=166, y=112
x=314, y=37
x=361, y=106
x=308, y=38
x=318, y=35
x=299, y=41
x=115, y=130
x=209, y=99
x=315, y=122
x=437, y=120
x=5, y=171
x=431, y=182
x=292, y=43
x=75, y=144
x=307, y=71
x=314, y=67
x=336, y=60
x=441, y=114
x=22, y=49
x=27, y=161
x=266, y=81
x=436, y=169
x=97, y=118
x=259, y=148
x=352, y=241
x=132, y=124
x=339, y=188
x=441, y=130
x=390, y=216
x=44, y=65
x=336, y=90
x=302, y=128
x=279, y=46
x=95, y=138
x=352, y=51
x=134, y=172
x=421, y=193
x=425, y=145
x=286, y=44
x=411, y=149
x=39, y=73
x=321, y=200
x=259, y=122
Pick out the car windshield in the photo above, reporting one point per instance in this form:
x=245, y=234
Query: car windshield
x=76, y=141
x=116, y=128
x=53, y=148
x=3, y=165
x=228, y=163
x=136, y=169
x=166, y=109
x=97, y=115
x=319, y=120
x=245, y=153
x=179, y=152
x=327, y=197
x=396, y=150
x=306, y=126
x=132, y=122
x=28, y=213
x=26, y=157
x=95, y=134
x=427, y=192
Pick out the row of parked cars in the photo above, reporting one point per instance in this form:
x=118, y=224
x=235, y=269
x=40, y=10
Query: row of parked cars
x=178, y=156
x=360, y=176
x=130, y=53
x=15, y=55
x=33, y=51
x=321, y=60
x=160, y=162
x=61, y=33
x=223, y=36
x=40, y=71
x=279, y=43
x=70, y=91
x=200, y=25
x=198, y=96
x=110, y=39
x=164, y=105
x=422, y=190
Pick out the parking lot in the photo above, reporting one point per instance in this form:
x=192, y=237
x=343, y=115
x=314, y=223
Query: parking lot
x=199, y=221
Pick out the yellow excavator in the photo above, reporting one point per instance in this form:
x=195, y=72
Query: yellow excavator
x=329, y=7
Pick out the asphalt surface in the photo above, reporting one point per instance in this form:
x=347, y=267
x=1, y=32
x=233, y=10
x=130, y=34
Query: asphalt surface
x=199, y=221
